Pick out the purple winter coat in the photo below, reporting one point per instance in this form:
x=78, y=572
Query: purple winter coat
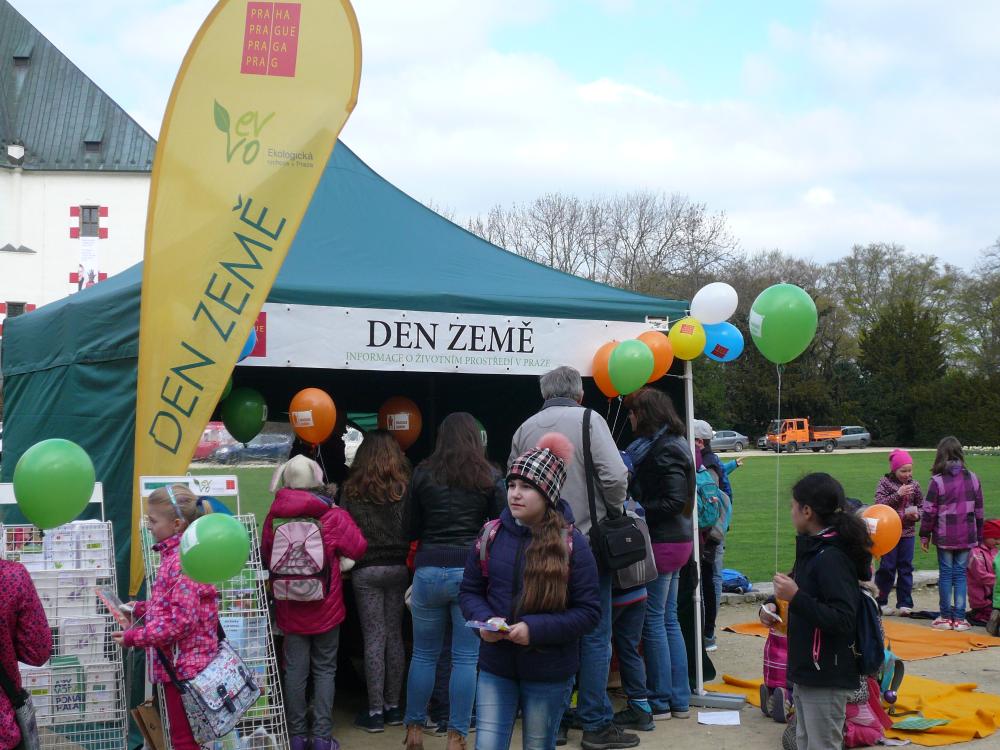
x=887, y=493
x=953, y=509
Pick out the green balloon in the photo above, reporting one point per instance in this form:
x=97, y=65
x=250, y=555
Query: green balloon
x=630, y=366
x=482, y=433
x=783, y=322
x=244, y=414
x=214, y=548
x=227, y=390
x=53, y=482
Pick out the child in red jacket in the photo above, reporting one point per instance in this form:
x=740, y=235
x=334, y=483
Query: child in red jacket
x=304, y=534
x=181, y=617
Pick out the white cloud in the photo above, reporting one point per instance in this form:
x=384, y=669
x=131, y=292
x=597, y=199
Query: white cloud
x=886, y=128
x=819, y=196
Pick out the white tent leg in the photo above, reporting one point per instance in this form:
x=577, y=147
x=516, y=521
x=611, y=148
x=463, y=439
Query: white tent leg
x=700, y=697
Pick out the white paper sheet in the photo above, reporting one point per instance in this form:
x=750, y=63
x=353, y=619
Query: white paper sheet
x=719, y=718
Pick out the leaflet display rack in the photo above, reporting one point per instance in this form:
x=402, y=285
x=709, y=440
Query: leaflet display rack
x=79, y=694
x=244, y=616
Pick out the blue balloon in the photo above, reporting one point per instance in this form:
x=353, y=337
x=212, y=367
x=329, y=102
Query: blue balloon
x=723, y=342
x=249, y=345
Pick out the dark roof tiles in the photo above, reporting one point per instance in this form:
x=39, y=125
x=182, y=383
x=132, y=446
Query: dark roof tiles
x=53, y=109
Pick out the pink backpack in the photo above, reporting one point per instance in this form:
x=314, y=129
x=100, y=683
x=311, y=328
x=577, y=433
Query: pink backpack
x=298, y=566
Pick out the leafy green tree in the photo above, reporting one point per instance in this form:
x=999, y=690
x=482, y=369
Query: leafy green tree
x=901, y=358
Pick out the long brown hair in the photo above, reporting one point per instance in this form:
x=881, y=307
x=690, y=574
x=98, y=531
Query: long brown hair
x=546, y=566
x=380, y=472
x=653, y=409
x=949, y=449
x=459, y=457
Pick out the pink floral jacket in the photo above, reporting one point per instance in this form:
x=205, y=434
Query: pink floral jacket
x=24, y=636
x=181, y=618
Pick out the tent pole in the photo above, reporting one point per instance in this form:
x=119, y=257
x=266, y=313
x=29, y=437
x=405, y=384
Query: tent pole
x=700, y=697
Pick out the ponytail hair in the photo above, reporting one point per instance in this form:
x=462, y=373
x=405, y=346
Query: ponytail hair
x=546, y=567
x=825, y=495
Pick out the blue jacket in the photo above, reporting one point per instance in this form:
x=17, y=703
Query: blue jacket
x=553, y=654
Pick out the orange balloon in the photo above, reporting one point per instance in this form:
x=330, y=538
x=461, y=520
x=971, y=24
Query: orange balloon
x=313, y=415
x=663, y=353
x=884, y=528
x=402, y=418
x=601, y=375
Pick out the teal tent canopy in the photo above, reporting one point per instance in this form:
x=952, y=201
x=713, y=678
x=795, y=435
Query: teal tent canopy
x=70, y=367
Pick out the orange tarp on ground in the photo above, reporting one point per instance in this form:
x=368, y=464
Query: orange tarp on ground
x=971, y=715
x=909, y=642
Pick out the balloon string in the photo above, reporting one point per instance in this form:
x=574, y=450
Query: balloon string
x=777, y=476
x=618, y=411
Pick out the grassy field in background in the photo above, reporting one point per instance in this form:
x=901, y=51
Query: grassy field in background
x=751, y=542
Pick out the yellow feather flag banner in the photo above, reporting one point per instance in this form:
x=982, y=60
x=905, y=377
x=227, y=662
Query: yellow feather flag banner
x=253, y=117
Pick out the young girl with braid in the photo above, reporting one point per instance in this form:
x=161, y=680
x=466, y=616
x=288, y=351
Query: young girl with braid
x=181, y=618
x=531, y=588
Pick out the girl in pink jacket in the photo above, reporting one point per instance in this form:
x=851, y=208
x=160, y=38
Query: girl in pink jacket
x=309, y=615
x=981, y=575
x=181, y=617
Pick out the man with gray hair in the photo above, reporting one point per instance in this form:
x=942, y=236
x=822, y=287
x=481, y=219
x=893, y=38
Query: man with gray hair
x=562, y=412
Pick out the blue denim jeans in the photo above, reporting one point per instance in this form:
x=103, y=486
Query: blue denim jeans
x=666, y=657
x=627, y=625
x=593, y=707
x=720, y=553
x=434, y=600
x=951, y=582
x=541, y=703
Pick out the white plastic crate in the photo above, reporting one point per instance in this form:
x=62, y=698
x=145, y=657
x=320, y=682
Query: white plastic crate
x=80, y=693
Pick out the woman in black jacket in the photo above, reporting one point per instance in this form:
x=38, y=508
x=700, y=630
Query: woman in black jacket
x=832, y=554
x=664, y=485
x=452, y=494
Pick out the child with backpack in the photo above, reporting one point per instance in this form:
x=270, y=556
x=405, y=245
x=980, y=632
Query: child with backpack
x=530, y=589
x=832, y=554
x=901, y=492
x=953, y=519
x=181, y=618
x=303, y=535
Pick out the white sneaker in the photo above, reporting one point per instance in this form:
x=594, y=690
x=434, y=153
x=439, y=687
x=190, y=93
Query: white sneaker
x=941, y=623
x=905, y=611
x=888, y=611
x=960, y=625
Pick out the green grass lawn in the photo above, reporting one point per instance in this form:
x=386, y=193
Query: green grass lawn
x=751, y=541
x=750, y=545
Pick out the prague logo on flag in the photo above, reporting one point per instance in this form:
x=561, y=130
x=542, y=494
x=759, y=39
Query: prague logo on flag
x=271, y=39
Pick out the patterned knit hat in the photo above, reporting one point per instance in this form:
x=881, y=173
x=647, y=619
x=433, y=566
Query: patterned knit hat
x=545, y=466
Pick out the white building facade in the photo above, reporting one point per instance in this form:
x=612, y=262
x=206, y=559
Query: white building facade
x=74, y=175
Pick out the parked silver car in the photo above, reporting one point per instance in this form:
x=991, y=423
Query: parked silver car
x=729, y=440
x=854, y=436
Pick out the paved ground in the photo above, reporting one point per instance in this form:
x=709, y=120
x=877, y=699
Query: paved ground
x=737, y=655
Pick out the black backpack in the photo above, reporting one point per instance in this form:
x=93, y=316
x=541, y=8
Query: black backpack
x=869, y=638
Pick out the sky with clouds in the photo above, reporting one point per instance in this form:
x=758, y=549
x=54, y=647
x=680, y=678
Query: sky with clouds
x=813, y=125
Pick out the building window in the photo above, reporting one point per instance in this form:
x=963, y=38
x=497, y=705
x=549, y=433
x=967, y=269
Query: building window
x=92, y=147
x=14, y=309
x=89, y=221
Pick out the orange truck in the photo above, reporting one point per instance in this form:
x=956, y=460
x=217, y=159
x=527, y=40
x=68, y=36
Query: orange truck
x=792, y=434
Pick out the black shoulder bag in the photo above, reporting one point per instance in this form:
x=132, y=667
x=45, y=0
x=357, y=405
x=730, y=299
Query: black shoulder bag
x=24, y=712
x=617, y=542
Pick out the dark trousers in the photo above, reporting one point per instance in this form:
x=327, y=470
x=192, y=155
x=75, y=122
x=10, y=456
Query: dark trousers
x=897, y=569
x=711, y=604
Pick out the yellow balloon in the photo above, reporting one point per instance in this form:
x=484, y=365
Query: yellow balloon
x=687, y=336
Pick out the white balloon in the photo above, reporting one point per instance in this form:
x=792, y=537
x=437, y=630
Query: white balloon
x=714, y=303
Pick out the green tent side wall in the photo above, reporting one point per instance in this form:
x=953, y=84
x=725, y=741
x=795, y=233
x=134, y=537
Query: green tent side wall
x=70, y=367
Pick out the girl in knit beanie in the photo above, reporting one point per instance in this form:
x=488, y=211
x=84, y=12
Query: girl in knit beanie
x=531, y=592
x=901, y=492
